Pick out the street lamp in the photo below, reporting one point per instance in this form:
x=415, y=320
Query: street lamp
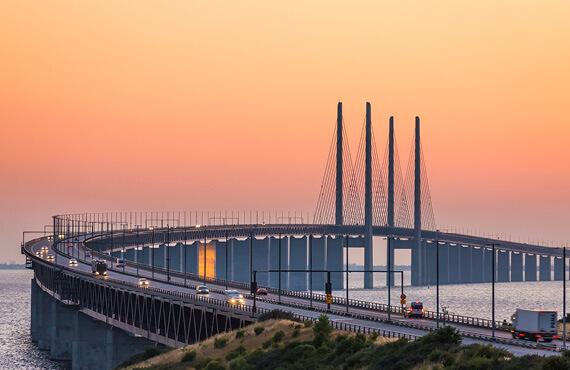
x=564, y=297
x=437, y=275
x=493, y=289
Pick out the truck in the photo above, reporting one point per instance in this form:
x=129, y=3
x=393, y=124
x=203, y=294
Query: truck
x=535, y=325
x=99, y=268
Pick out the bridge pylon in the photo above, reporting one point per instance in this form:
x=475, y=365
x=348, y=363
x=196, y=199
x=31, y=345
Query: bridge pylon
x=368, y=242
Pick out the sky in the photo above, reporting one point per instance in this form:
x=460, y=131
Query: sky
x=185, y=105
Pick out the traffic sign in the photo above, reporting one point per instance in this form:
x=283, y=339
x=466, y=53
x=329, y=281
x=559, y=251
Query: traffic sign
x=402, y=296
x=402, y=301
x=329, y=298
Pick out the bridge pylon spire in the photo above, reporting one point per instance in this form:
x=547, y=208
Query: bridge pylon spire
x=339, y=217
x=368, y=251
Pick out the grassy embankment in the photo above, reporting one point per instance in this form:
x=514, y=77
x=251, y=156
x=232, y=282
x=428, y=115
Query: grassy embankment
x=287, y=344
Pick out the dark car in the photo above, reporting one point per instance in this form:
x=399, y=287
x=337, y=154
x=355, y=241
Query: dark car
x=261, y=291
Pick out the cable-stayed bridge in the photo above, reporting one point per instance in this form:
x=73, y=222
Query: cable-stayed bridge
x=76, y=315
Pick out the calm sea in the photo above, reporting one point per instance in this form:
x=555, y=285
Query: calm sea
x=18, y=352
x=16, y=348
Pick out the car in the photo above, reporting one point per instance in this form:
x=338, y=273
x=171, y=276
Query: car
x=44, y=249
x=234, y=297
x=73, y=262
x=416, y=309
x=99, y=268
x=143, y=283
x=50, y=257
x=202, y=290
x=261, y=291
x=120, y=263
x=38, y=254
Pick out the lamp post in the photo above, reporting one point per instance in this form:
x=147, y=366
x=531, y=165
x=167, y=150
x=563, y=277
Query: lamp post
x=279, y=279
x=437, y=275
x=493, y=289
x=564, y=297
x=152, y=250
x=389, y=276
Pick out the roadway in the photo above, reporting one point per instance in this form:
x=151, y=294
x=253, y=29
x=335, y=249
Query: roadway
x=300, y=306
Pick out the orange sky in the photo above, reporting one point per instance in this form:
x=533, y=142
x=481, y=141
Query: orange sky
x=175, y=105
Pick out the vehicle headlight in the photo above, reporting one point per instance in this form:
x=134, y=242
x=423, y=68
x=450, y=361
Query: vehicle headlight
x=96, y=272
x=232, y=300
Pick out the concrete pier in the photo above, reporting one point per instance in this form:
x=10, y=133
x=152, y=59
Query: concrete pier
x=477, y=265
x=558, y=269
x=530, y=267
x=335, y=258
x=240, y=261
x=454, y=264
x=516, y=266
x=503, y=266
x=545, y=268
x=318, y=262
x=298, y=261
x=260, y=260
x=465, y=264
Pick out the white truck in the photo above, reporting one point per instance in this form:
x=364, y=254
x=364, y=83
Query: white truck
x=535, y=325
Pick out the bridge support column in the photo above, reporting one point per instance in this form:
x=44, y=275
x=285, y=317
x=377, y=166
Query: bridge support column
x=160, y=256
x=191, y=257
x=260, y=256
x=97, y=345
x=130, y=254
x=240, y=261
x=465, y=263
x=174, y=256
x=62, y=331
x=45, y=320
x=503, y=268
x=274, y=261
x=454, y=263
x=319, y=256
x=335, y=258
x=221, y=259
x=368, y=239
x=529, y=267
x=477, y=270
x=487, y=265
x=145, y=256
x=516, y=266
x=298, y=261
x=444, y=263
x=430, y=268
x=558, y=269
x=545, y=268
x=34, y=317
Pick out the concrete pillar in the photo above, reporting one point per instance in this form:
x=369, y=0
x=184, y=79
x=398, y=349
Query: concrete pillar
x=335, y=258
x=516, y=266
x=97, y=345
x=529, y=267
x=318, y=263
x=62, y=331
x=503, y=266
x=174, y=256
x=241, y=260
x=160, y=256
x=190, y=254
x=477, y=265
x=260, y=256
x=274, y=261
x=34, y=319
x=339, y=188
x=444, y=263
x=368, y=245
x=298, y=261
x=558, y=269
x=487, y=265
x=145, y=256
x=130, y=254
x=221, y=259
x=454, y=264
x=465, y=264
x=545, y=268
x=45, y=320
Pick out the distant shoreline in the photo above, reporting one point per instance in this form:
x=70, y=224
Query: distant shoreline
x=12, y=266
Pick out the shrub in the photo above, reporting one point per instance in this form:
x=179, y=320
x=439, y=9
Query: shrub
x=278, y=337
x=215, y=365
x=189, y=356
x=240, y=334
x=236, y=353
x=267, y=344
x=277, y=315
x=308, y=323
x=240, y=363
x=148, y=353
x=220, y=342
x=322, y=330
x=258, y=330
x=556, y=363
x=296, y=333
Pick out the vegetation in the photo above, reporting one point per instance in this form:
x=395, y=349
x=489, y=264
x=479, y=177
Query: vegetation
x=189, y=356
x=289, y=345
x=220, y=342
x=277, y=315
x=148, y=353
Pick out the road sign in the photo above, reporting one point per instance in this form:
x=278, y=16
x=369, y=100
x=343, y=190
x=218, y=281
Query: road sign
x=402, y=301
x=329, y=298
x=402, y=296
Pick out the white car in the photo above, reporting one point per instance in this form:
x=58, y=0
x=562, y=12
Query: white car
x=143, y=283
x=120, y=263
x=234, y=297
x=202, y=290
x=44, y=249
x=50, y=257
x=73, y=262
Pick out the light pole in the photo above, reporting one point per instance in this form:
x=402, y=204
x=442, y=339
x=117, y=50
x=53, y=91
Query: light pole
x=152, y=250
x=389, y=277
x=437, y=275
x=279, y=279
x=564, y=297
x=493, y=290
